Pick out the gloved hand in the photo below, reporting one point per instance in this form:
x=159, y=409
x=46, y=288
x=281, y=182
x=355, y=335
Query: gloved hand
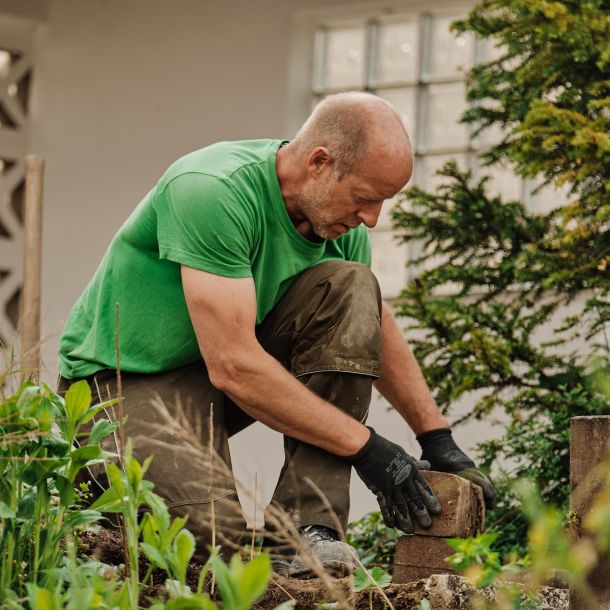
x=393, y=476
x=439, y=448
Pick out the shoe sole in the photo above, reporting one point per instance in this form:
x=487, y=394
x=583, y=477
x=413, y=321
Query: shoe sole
x=336, y=569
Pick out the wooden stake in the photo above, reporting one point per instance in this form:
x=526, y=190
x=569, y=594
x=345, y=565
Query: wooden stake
x=32, y=267
x=589, y=450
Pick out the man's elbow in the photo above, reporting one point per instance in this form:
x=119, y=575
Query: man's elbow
x=227, y=373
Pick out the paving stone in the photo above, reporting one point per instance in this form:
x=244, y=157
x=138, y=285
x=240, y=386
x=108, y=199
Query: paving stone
x=462, y=504
x=419, y=557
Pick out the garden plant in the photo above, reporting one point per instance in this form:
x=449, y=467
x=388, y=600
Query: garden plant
x=41, y=518
x=492, y=274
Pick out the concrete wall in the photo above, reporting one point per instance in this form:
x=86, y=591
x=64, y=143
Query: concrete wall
x=124, y=87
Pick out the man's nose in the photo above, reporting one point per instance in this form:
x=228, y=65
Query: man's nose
x=369, y=214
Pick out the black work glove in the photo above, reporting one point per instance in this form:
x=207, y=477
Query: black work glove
x=439, y=448
x=393, y=476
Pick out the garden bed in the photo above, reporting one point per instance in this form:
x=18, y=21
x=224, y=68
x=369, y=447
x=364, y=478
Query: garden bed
x=444, y=592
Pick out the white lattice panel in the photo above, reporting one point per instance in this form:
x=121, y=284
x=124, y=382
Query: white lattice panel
x=15, y=73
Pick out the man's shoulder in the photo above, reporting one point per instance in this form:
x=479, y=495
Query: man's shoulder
x=222, y=160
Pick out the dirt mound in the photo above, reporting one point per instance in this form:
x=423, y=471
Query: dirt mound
x=444, y=592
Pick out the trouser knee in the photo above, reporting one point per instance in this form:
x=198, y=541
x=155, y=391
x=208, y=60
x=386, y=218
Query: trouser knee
x=329, y=320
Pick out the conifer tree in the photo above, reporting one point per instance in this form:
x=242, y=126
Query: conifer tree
x=496, y=275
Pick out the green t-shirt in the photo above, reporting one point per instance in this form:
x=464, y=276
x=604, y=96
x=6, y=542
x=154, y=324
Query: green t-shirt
x=218, y=209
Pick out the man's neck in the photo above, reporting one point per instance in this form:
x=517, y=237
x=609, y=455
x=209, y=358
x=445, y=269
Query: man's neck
x=287, y=179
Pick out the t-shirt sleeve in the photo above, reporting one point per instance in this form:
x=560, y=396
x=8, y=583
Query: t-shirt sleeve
x=203, y=223
x=358, y=248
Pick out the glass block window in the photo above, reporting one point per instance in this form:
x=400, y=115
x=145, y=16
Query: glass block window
x=416, y=63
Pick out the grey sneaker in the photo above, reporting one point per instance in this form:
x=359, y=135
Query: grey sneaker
x=337, y=558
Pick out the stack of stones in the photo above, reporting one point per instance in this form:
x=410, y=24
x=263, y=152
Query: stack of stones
x=423, y=553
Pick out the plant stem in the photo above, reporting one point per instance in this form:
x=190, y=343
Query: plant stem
x=211, y=492
x=37, y=521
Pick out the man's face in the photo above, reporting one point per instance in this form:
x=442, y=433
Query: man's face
x=333, y=207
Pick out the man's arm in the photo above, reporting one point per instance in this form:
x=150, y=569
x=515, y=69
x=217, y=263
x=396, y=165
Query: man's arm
x=402, y=383
x=404, y=386
x=223, y=312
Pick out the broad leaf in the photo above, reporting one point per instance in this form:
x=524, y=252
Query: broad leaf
x=101, y=429
x=65, y=489
x=226, y=584
x=254, y=580
x=6, y=512
x=111, y=501
x=185, y=547
x=154, y=555
x=77, y=400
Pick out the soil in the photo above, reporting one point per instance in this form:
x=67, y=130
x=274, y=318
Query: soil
x=445, y=592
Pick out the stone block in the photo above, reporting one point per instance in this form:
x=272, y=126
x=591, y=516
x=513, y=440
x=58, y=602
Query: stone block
x=420, y=556
x=462, y=505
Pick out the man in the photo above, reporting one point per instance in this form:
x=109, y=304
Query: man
x=245, y=294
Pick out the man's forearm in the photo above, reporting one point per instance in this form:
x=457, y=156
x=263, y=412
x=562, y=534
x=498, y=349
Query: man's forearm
x=263, y=388
x=402, y=383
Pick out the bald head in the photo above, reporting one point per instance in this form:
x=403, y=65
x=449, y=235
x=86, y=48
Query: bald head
x=352, y=126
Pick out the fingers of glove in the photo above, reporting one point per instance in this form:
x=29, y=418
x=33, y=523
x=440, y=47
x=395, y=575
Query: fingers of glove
x=401, y=510
x=432, y=503
x=387, y=510
x=416, y=504
x=423, y=464
x=427, y=494
x=479, y=478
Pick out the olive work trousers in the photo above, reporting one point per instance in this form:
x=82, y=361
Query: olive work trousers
x=326, y=331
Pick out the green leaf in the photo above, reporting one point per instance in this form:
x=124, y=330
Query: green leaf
x=77, y=400
x=425, y=604
x=381, y=577
x=65, y=489
x=154, y=555
x=194, y=601
x=134, y=472
x=361, y=580
x=168, y=536
x=116, y=478
x=80, y=598
x=253, y=580
x=27, y=504
x=101, y=429
x=94, y=410
x=376, y=577
x=85, y=455
x=226, y=583
x=185, y=547
x=42, y=599
x=44, y=414
x=55, y=445
x=81, y=517
x=6, y=512
x=111, y=501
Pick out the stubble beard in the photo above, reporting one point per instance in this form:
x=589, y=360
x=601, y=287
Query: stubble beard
x=313, y=205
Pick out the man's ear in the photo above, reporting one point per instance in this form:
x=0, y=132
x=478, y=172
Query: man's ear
x=319, y=158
